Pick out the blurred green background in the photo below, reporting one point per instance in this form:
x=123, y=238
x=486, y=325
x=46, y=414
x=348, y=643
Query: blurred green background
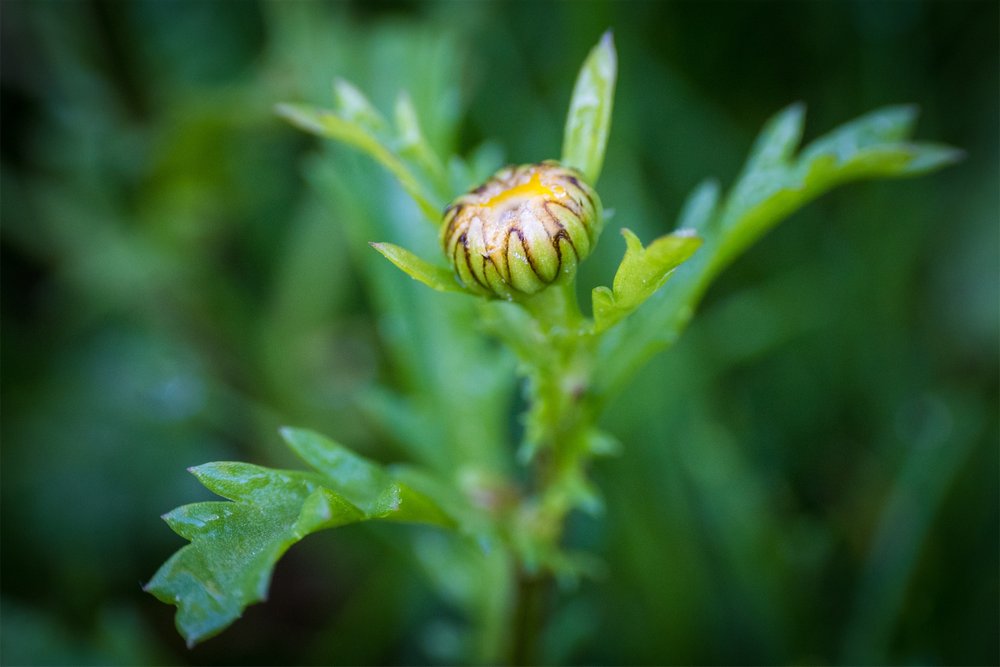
x=810, y=475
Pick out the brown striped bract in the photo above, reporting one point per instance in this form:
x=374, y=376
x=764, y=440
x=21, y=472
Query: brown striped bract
x=521, y=230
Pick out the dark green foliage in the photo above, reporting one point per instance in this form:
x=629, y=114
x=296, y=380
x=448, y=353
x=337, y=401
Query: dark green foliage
x=807, y=476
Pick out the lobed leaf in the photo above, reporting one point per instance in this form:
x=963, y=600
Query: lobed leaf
x=333, y=126
x=642, y=271
x=363, y=482
x=589, y=119
x=774, y=183
x=355, y=107
x=413, y=144
x=235, y=545
x=700, y=207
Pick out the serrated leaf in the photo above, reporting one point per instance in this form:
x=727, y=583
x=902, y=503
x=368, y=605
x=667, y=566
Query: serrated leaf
x=589, y=119
x=435, y=277
x=888, y=125
x=355, y=107
x=700, y=206
x=234, y=545
x=339, y=128
x=642, y=271
x=365, y=483
x=872, y=146
x=412, y=143
x=931, y=157
x=777, y=142
x=773, y=184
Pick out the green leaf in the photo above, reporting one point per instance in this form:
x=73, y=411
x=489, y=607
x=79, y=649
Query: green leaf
x=333, y=126
x=774, y=183
x=700, y=206
x=435, y=277
x=642, y=271
x=363, y=482
x=414, y=146
x=589, y=119
x=355, y=107
x=234, y=545
x=779, y=139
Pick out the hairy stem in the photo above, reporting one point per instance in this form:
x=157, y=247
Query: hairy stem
x=558, y=422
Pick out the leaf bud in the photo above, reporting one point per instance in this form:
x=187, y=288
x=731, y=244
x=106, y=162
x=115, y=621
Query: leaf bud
x=521, y=230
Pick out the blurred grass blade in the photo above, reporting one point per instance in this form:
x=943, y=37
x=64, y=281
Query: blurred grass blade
x=435, y=277
x=589, y=119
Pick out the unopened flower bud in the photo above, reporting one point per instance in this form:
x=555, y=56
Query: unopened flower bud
x=522, y=229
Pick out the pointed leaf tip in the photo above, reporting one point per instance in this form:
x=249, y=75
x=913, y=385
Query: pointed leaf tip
x=588, y=121
x=435, y=277
x=642, y=271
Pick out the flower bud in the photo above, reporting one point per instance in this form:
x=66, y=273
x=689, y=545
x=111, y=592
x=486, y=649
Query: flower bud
x=522, y=229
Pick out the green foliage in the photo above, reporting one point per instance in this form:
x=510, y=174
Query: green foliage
x=183, y=272
x=774, y=183
x=356, y=126
x=569, y=363
x=588, y=121
x=435, y=277
x=235, y=545
x=642, y=271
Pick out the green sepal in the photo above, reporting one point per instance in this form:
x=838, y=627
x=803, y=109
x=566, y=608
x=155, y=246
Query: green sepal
x=435, y=277
x=588, y=122
x=642, y=271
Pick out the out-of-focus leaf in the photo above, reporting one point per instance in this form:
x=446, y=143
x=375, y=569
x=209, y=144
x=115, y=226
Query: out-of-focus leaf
x=338, y=128
x=414, y=146
x=641, y=272
x=589, y=119
x=773, y=184
x=435, y=277
x=700, y=206
x=355, y=107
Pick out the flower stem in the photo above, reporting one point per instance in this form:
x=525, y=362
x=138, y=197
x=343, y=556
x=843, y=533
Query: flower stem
x=529, y=616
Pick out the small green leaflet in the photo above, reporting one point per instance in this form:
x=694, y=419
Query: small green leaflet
x=589, y=119
x=642, y=271
x=235, y=545
x=435, y=277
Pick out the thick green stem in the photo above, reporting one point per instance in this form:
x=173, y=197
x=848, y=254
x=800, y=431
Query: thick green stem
x=529, y=617
x=559, y=421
